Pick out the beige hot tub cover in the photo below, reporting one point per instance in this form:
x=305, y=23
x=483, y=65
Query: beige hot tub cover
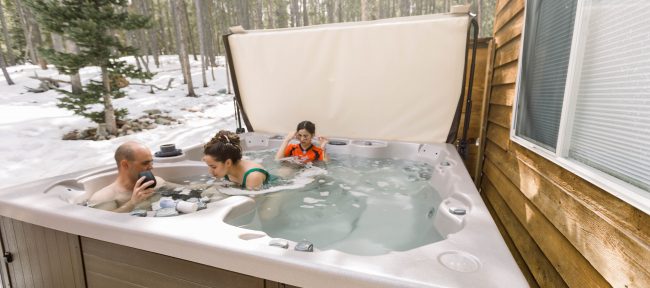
x=394, y=79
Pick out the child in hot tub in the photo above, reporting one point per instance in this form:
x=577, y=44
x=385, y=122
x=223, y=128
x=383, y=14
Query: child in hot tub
x=304, y=151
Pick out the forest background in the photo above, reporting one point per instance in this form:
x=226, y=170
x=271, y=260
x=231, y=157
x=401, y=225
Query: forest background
x=201, y=23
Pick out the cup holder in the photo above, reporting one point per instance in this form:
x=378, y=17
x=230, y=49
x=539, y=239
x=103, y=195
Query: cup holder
x=337, y=142
x=370, y=143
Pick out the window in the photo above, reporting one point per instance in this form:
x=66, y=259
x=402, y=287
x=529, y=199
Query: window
x=583, y=95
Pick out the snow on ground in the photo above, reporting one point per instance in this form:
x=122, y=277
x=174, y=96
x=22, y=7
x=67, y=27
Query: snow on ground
x=31, y=126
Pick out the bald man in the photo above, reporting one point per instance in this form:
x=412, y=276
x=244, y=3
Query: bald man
x=127, y=192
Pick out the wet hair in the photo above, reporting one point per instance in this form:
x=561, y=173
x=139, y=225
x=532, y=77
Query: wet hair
x=125, y=151
x=223, y=146
x=307, y=125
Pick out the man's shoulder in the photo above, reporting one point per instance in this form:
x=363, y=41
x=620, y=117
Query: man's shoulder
x=105, y=195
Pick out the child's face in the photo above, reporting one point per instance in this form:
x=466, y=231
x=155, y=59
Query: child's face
x=304, y=137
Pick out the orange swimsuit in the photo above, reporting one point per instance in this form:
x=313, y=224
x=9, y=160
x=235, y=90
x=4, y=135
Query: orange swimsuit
x=312, y=153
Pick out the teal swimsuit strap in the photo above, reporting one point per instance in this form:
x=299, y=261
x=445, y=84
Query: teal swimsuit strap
x=266, y=180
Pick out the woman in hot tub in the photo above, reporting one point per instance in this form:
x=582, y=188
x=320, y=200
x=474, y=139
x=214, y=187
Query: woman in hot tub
x=223, y=155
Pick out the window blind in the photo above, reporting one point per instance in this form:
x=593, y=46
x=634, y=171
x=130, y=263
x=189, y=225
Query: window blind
x=547, y=45
x=611, y=126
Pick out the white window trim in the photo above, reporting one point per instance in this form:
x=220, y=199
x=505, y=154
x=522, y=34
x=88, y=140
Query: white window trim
x=631, y=194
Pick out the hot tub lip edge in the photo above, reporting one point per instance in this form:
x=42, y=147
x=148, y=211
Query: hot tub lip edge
x=105, y=227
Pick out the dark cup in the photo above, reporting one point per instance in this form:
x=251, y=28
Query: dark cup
x=148, y=176
x=167, y=148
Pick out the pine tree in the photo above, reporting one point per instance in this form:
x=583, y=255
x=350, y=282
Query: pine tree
x=92, y=25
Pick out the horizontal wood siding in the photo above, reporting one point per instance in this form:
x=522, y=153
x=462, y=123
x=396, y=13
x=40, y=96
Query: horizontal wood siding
x=567, y=231
x=42, y=257
x=137, y=268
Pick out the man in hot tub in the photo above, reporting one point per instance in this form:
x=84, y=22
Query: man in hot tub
x=128, y=192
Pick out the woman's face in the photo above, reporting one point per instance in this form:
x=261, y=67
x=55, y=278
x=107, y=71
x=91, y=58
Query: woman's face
x=217, y=168
x=304, y=137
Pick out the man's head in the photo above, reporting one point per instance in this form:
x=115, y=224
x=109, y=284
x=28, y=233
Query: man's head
x=132, y=158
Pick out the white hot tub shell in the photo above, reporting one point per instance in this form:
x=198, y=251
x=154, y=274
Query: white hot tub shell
x=472, y=253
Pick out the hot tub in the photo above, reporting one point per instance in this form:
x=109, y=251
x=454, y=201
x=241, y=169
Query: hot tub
x=469, y=253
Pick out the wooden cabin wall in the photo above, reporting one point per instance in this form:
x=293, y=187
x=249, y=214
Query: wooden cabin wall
x=562, y=230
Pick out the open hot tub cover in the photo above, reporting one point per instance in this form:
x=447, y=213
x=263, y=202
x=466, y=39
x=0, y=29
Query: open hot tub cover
x=393, y=79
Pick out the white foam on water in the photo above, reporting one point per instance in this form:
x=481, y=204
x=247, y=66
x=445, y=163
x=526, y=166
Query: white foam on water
x=301, y=180
x=310, y=200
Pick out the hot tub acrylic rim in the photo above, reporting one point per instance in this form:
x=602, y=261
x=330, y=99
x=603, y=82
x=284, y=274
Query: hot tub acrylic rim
x=358, y=271
x=144, y=240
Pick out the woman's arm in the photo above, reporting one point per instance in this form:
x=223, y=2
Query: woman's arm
x=280, y=154
x=255, y=180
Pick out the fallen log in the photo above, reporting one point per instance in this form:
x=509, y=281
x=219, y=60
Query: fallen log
x=152, y=86
x=46, y=84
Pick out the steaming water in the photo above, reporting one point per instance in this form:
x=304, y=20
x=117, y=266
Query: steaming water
x=360, y=206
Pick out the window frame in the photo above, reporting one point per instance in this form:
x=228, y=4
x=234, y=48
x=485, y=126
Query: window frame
x=629, y=193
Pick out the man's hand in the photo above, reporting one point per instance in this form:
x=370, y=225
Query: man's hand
x=140, y=191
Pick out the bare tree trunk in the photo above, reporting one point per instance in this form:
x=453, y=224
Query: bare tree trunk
x=259, y=14
x=144, y=47
x=186, y=21
x=202, y=43
x=305, y=13
x=174, y=23
x=153, y=39
x=245, y=15
x=405, y=8
x=109, y=111
x=177, y=5
x=4, y=69
x=33, y=33
x=208, y=21
x=295, y=19
x=58, y=45
x=220, y=21
x=26, y=30
x=170, y=28
x=281, y=13
x=269, y=7
x=75, y=79
x=330, y=11
x=7, y=38
x=339, y=10
x=364, y=13
x=57, y=42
